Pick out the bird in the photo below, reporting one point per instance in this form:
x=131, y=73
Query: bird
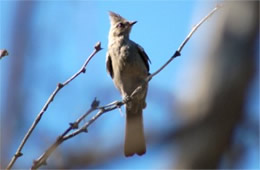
x=128, y=65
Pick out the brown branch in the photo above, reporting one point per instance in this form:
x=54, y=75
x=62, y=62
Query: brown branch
x=111, y=106
x=65, y=136
x=178, y=52
x=233, y=58
x=42, y=159
x=18, y=153
x=197, y=26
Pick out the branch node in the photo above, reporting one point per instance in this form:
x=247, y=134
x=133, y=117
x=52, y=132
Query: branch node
x=85, y=130
x=177, y=53
x=60, y=85
x=119, y=104
x=98, y=46
x=83, y=70
x=18, y=154
x=46, y=105
x=74, y=125
x=59, y=139
x=95, y=103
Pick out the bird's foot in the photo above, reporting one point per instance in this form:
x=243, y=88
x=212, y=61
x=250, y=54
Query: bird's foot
x=126, y=99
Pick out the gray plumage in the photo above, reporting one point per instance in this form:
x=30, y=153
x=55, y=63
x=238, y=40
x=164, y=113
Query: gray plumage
x=128, y=66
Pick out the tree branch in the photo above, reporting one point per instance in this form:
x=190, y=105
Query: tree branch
x=18, y=153
x=111, y=106
x=197, y=26
x=65, y=136
x=178, y=52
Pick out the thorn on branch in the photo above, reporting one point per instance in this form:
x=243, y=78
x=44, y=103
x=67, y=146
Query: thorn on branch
x=60, y=85
x=95, y=104
x=74, y=125
x=85, y=130
x=18, y=154
x=83, y=70
x=177, y=53
x=98, y=46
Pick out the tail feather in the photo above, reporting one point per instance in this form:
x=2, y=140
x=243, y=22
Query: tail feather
x=134, y=136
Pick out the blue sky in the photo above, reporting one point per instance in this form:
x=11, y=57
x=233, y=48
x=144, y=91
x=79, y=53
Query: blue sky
x=59, y=38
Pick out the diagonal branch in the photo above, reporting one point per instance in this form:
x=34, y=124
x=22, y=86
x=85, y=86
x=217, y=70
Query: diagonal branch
x=197, y=26
x=18, y=153
x=111, y=106
x=65, y=136
x=178, y=52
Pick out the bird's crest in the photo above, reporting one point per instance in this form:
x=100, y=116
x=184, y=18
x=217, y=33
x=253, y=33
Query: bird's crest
x=115, y=18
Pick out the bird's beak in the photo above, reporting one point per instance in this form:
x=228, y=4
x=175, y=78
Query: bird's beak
x=132, y=23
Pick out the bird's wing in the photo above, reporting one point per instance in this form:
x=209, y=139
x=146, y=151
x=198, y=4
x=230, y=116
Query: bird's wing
x=144, y=56
x=109, y=65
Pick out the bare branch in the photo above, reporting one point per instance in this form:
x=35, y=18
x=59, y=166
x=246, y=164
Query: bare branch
x=178, y=52
x=42, y=159
x=111, y=106
x=18, y=153
x=65, y=136
x=197, y=26
x=233, y=58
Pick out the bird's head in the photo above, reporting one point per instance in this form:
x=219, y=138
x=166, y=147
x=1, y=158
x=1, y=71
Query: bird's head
x=119, y=25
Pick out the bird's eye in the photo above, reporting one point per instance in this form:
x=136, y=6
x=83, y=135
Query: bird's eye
x=120, y=25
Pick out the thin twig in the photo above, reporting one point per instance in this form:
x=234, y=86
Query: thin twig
x=196, y=27
x=111, y=106
x=42, y=159
x=65, y=136
x=18, y=153
x=178, y=52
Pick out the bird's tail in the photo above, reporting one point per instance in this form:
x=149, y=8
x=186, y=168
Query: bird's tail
x=134, y=136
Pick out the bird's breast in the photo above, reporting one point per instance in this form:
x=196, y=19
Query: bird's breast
x=128, y=68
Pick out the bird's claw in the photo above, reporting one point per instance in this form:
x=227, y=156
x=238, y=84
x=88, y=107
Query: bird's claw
x=126, y=99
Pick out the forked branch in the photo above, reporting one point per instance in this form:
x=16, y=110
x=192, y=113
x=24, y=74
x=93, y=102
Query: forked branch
x=18, y=153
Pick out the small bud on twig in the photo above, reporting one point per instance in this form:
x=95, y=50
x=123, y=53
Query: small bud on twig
x=95, y=104
x=98, y=46
x=19, y=154
x=60, y=85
